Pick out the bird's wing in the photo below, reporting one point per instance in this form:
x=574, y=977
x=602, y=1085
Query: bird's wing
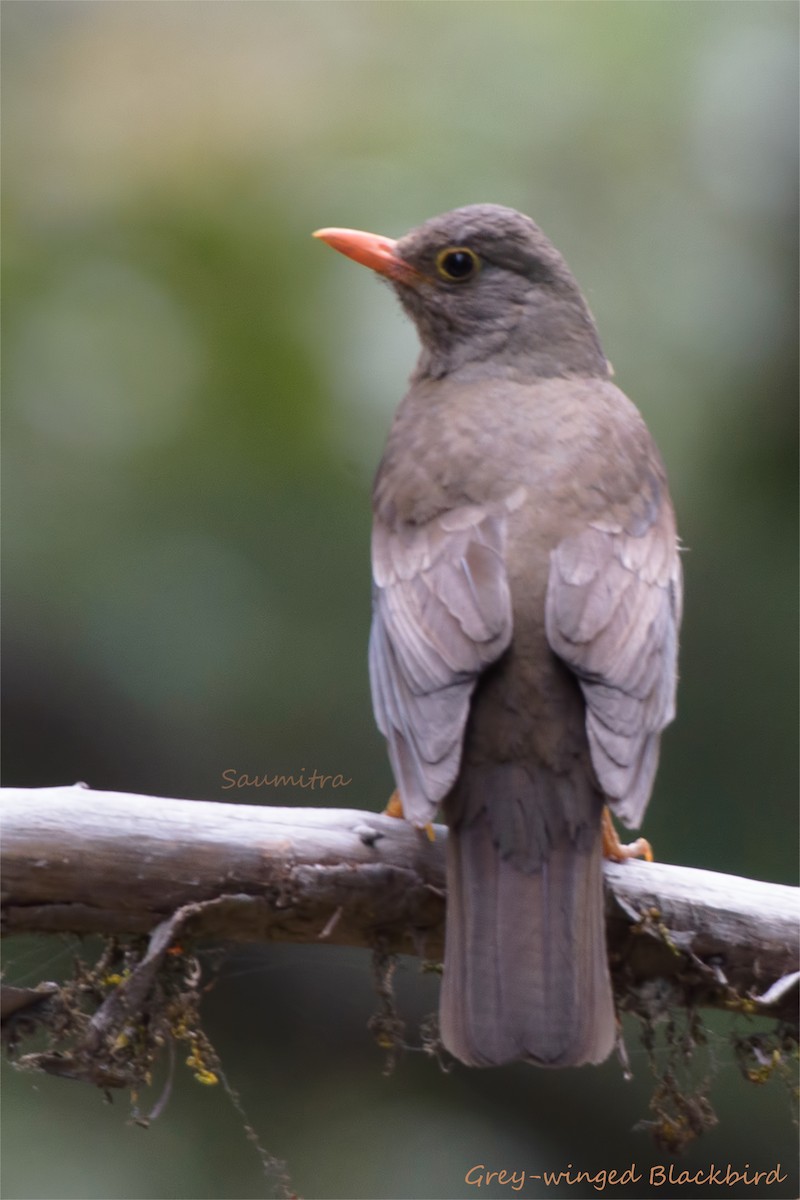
x=613, y=609
x=441, y=614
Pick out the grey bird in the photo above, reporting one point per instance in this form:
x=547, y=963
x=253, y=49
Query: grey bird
x=527, y=599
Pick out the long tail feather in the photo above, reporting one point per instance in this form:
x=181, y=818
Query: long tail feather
x=526, y=973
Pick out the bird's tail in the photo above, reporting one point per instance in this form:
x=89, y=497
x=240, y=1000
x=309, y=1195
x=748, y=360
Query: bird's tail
x=526, y=971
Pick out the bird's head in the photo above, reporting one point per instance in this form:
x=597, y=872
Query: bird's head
x=484, y=285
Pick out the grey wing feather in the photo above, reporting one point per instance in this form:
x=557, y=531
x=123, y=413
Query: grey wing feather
x=613, y=612
x=441, y=614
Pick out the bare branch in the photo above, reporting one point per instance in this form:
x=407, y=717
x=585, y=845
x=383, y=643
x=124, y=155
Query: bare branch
x=80, y=861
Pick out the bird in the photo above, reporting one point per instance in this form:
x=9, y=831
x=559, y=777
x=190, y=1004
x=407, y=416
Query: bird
x=527, y=597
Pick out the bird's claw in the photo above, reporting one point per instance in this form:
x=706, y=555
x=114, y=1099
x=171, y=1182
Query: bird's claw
x=616, y=850
x=395, y=809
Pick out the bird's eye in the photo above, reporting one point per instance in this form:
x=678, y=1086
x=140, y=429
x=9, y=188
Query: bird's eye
x=457, y=263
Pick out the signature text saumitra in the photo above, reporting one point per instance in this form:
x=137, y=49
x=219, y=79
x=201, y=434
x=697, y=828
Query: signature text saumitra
x=313, y=781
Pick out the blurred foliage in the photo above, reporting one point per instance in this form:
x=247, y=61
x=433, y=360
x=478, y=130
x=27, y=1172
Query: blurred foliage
x=195, y=397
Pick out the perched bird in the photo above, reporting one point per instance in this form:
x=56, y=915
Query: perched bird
x=527, y=598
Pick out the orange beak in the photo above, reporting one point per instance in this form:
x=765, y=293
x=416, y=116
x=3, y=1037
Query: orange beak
x=371, y=250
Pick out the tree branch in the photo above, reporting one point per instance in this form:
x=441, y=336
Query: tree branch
x=80, y=861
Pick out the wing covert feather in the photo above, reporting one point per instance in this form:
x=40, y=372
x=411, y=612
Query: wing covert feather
x=441, y=614
x=612, y=614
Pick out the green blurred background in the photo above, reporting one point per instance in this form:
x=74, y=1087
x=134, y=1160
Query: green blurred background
x=195, y=399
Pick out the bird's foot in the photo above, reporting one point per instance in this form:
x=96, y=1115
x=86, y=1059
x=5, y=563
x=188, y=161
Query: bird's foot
x=616, y=850
x=395, y=809
x=395, y=806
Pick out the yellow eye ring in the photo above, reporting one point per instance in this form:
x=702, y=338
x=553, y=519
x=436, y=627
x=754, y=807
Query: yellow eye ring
x=457, y=264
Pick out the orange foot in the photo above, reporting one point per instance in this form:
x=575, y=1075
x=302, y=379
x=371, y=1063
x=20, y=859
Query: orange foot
x=395, y=809
x=395, y=806
x=614, y=849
